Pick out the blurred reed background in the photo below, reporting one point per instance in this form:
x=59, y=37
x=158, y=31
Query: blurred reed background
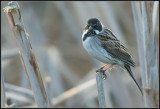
x=68, y=72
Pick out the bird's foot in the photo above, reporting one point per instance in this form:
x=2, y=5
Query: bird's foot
x=99, y=70
x=104, y=76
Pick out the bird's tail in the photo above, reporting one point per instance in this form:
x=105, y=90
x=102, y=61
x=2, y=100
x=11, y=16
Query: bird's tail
x=130, y=73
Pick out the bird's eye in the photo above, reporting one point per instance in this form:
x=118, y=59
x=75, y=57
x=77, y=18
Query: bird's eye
x=94, y=26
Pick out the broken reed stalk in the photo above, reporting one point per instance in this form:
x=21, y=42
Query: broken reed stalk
x=74, y=91
x=3, y=94
x=26, y=93
x=101, y=95
x=8, y=54
x=17, y=25
x=11, y=106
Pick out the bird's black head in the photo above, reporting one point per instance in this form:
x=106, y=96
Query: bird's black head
x=93, y=28
x=94, y=24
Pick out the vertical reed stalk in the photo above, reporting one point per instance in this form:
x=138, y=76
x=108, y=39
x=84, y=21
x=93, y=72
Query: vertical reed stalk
x=3, y=95
x=101, y=95
x=32, y=70
x=144, y=25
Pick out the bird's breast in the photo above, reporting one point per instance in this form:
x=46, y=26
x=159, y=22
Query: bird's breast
x=94, y=47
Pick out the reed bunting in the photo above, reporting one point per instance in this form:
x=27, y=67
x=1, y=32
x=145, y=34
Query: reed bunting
x=102, y=44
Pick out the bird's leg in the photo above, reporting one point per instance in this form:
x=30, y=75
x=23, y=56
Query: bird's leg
x=109, y=67
x=100, y=69
x=104, y=76
x=104, y=66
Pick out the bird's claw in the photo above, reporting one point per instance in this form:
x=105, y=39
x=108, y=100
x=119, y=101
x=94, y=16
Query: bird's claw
x=100, y=70
x=104, y=76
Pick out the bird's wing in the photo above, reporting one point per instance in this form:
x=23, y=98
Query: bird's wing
x=115, y=48
x=107, y=34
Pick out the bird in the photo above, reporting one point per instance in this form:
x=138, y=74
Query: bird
x=101, y=43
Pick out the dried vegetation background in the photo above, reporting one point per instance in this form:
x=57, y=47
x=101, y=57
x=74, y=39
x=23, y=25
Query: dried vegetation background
x=55, y=30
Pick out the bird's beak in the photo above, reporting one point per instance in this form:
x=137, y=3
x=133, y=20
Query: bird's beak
x=90, y=28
